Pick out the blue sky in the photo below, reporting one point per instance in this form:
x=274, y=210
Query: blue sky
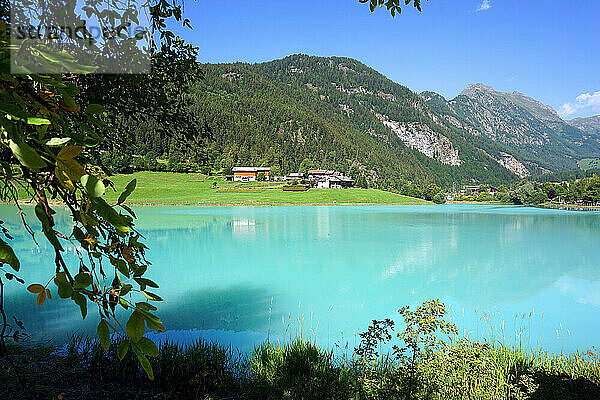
x=547, y=49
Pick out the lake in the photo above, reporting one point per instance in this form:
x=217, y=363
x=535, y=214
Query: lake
x=238, y=275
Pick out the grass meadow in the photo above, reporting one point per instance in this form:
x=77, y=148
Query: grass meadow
x=195, y=189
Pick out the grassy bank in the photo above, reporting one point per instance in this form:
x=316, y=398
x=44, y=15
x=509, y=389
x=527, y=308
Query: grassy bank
x=300, y=370
x=173, y=188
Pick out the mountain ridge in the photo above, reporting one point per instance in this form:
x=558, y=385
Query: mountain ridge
x=336, y=112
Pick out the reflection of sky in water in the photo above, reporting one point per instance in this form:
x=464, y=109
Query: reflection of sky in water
x=328, y=271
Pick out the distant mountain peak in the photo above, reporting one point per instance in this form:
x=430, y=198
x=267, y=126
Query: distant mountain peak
x=475, y=88
x=590, y=125
x=531, y=105
x=428, y=95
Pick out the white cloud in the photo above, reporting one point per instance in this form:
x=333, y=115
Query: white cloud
x=485, y=5
x=584, y=103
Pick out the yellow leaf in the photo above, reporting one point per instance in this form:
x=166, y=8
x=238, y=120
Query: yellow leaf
x=67, y=172
x=63, y=178
x=48, y=294
x=69, y=152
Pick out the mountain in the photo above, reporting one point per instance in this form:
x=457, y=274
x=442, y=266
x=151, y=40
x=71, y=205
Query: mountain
x=313, y=112
x=590, y=125
x=528, y=136
x=304, y=112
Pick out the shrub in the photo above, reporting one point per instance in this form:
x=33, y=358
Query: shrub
x=295, y=188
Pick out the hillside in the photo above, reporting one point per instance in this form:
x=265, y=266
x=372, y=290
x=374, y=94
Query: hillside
x=304, y=112
x=312, y=112
x=590, y=125
x=197, y=189
x=522, y=133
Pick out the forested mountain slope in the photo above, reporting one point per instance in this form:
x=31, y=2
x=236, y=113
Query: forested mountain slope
x=304, y=112
x=311, y=112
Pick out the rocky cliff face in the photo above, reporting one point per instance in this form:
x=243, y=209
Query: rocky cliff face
x=422, y=138
x=512, y=164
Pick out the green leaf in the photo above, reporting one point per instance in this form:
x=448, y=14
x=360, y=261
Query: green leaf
x=27, y=156
x=148, y=347
x=146, y=282
x=57, y=141
x=122, y=349
x=152, y=321
x=81, y=301
x=14, y=111
x=135, y=326
x=83, y=280
x=104, y=334
x=67, y=172
x=109, y=213
x=128, y=190
x=37, y=121
x=125, y=289
x=145, y=306
x=7, y=255
x=48, y=231
x=69, y=152
x=65, y=290
x=94, y=109
x=93, y=186
x=120, y=265
x=143, y=362
x=70, y=102
x=152, y=296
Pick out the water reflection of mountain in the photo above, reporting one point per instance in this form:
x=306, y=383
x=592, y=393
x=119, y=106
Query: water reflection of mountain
x=370, y=262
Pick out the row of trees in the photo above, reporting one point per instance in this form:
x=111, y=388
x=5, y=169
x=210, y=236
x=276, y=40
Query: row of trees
x=578, y=191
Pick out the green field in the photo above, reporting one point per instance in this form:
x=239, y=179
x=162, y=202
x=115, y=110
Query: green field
x=172, y=188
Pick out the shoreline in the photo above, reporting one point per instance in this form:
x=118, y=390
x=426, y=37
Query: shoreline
x=249, y=204
x=569, y=207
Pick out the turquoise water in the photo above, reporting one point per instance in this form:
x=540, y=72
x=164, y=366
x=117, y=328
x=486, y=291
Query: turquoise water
x=238, y=275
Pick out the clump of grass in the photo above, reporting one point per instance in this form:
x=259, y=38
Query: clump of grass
x=298, y=368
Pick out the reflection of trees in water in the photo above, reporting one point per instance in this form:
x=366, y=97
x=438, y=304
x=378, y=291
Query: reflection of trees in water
x=365, y=262
x=375, y=261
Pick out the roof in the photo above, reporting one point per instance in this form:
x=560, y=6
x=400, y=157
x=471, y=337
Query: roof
x=320, y=172
x=251, y=169
x=340, y=179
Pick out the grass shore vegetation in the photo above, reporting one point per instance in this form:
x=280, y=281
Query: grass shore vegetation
x=196, y=189
x=427, y=359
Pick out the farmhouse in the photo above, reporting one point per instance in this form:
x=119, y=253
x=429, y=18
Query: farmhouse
x=336, y=182
x=475, y=190
x=469, y=190
x=249, y=174
x=326, y=179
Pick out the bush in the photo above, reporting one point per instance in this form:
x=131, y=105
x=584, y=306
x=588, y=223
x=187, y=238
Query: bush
x=439, y=198
x=295, y=188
